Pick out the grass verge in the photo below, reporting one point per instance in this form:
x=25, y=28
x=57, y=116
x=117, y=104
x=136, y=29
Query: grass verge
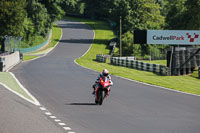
x=9, y=81
x=188, y=84
x=25, y=58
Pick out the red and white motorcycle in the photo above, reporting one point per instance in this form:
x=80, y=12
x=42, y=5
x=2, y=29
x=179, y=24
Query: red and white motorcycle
x=102, y=90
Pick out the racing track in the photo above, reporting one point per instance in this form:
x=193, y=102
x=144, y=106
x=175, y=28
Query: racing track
x=64, y=88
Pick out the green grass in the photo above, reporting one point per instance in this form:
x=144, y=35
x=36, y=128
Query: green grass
x=25, y=58
x=55, y=35
x=189, y=84
x=8, y=80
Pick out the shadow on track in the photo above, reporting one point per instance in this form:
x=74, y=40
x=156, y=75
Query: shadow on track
x=91, y=104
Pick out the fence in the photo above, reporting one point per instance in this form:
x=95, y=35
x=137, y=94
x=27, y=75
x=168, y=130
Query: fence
x=35, y=48
x=160, y=69
x=10, y=44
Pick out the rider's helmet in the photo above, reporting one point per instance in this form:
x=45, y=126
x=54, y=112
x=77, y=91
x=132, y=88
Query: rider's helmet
x=105, y=72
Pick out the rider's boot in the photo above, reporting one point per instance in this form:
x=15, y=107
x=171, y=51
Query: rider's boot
x=93, y=93
x=108, y=91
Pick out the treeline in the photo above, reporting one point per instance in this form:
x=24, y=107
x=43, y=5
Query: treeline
x=28, y=18
x=31, y=18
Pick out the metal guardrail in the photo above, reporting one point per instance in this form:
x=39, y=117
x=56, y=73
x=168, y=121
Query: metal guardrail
x=101, y=58
x=199, y=72
x=156, y=68
x=132, y=63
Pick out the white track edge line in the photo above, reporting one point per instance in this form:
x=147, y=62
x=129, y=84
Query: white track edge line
x=87, y=52
x=23, y=97
x=35, y=101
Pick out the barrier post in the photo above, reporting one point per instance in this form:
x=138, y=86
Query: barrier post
x=199, y=71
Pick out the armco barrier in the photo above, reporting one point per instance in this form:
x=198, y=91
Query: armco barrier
x=35, y=48
x=160, y=69
x=199, y=71
x=8, y=61
x=101, y=58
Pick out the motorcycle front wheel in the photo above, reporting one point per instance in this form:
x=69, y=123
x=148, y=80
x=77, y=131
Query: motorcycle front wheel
x=96, y=101
x=101, y=95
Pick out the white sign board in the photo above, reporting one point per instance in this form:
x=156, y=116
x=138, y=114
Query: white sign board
x=183, y=37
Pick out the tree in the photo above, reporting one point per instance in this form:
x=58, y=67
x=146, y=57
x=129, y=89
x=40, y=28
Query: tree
x=175, y=10
x=53, y=9
x=192, y=15
x=39, y=16
x=91, y=7
x=73, y=6
x=141, y=14
x=12, y=15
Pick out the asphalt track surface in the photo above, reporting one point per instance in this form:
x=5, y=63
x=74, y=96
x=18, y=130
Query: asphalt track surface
x=65, y=89
x=19, y=116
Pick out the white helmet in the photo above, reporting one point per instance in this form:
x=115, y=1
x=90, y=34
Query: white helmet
x=105, y=72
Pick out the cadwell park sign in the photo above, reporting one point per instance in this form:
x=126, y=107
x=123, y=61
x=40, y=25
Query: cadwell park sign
x=182, y=37
x=172, y=37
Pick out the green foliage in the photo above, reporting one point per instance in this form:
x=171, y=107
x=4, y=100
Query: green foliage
x=32, y=18
x=12, y=15
x=28, y=18
x=127, y=43
x=183, y=14
x=38, y=14
x=91, y=6
x=175, y=14
x=28, y=28
x=73, y=6
x=53, y=9
x=136, y=14
x=192, y=14
x=145, y=14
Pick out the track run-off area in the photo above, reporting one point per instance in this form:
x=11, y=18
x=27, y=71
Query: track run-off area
x=64, y=88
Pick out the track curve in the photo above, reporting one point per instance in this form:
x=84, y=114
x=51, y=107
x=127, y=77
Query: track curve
x=65, y=89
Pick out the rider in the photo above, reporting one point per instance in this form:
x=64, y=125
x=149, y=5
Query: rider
x=103, y=74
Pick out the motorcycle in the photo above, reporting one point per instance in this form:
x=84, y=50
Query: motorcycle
x=102, y=90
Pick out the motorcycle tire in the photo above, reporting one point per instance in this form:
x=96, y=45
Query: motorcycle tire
x=96, y=101
x=101, y=97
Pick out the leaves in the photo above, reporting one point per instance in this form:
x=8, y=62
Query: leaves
x=28, y=18
x=12, y=14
